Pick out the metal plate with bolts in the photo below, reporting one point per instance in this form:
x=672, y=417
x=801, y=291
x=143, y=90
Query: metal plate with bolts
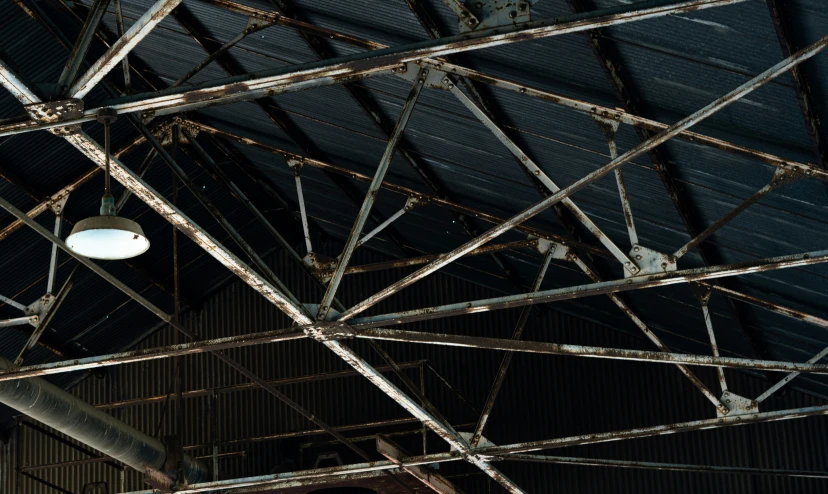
x=559, y=251
x=40, y=306
x=651, y=261
x=738, y=405
x=434, y=78
x=57, y=111
x=496, y=13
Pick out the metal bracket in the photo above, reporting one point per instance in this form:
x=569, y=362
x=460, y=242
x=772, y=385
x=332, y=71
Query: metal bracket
x=410, y=72
x=158, y=480
x=559, y=250
x=651, y=261
x=57, y=204
x=414, y=201
x=738, y=405
x=701, y=292
x=322, y=265
x=57, y=111
x=40, y=306
x=257, y=24
x=496, y=13
x=327, y=456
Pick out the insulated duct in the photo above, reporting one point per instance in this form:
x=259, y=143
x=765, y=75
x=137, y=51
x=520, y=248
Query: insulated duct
x=81, y=421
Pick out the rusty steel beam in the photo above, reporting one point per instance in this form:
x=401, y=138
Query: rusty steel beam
x=78, y=53
x=113, y=56
x=601, y=288
x=513, y=345
x=382, y=61
x=636, y=151
x=785, y=32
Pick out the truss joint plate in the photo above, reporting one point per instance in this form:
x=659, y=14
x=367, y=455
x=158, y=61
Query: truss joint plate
x=496, y=13
x=650, y=261
x=738, y=405
x=57, y=111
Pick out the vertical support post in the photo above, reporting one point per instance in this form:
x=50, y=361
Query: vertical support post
x=296, y=166
x=179, y=402
x=19, y=457
x=370, y=197
x=507, y=357
x=214, y=426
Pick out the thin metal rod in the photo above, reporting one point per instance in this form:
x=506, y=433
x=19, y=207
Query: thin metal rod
x=713, y=345
x=142, y=170
x=535, y=171
x=675, y=467
x=507, y=357
x=78, y=53
x=550, y=201
x=781, y=177
x=585, y=351
x=50, y=280
x=790, y=377
x=253, y=25
x=580, y=291
x=610, y=129
x=138, y=31
x=46, y=317
x=107, y=185
x=370, y=196
x=368, y=236
x=302, y=211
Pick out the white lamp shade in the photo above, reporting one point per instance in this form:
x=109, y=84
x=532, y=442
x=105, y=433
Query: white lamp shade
x=107, y=237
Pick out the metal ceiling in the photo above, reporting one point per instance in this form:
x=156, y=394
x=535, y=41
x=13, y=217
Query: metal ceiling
x=273, y=107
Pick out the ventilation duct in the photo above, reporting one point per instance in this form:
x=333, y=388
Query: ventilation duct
x=81, y=421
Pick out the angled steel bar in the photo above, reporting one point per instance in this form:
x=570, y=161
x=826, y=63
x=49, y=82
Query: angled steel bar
x=138, y=31
x=13, y=303
x=614, y=286
x=353, y=67
x=409, y=204
x=703, y=293
x=46, y=318
x=535, y=171
x=507, y=357
x=779, y=309
x=50, y=280
x=780, y=177
x=414, y=261
x=636, y=151
x=660, y=466
x=609, y=128
x=119, y=21
x=370, y=196
x=297, y=177
x=253, y=25
x=142, y=170
x=78, y=53
x=648, y=333
x=804, y=95
x=790, y=377
x=585, y=351
x=18, y=321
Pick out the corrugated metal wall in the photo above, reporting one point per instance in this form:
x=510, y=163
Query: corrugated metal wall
x=543, y=397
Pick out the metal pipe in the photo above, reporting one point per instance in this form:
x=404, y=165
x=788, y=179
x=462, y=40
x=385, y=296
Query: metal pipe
x=63, y=412
x=614, y=286
x=138, y=31
x=550, y=201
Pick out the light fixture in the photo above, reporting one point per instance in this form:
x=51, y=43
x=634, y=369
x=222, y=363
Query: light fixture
x=107, y=236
